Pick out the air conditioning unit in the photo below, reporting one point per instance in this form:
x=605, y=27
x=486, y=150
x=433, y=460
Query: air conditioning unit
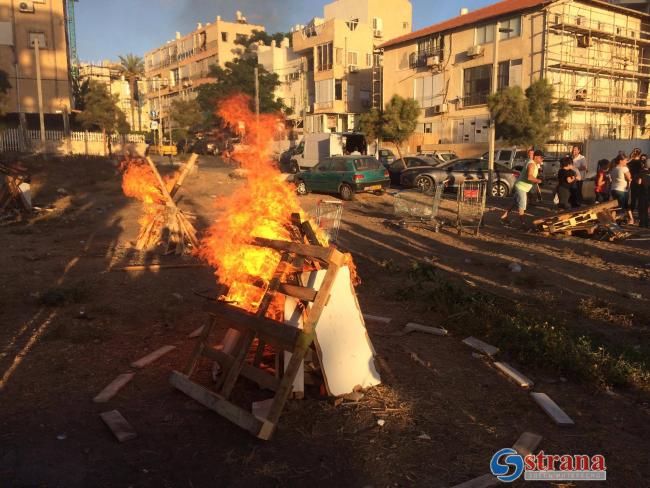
x=26, y=7
x=308, y=109
x=441, y=109
x=353, y=68
x=475, y=51
x=433, y=61
x=379, y=33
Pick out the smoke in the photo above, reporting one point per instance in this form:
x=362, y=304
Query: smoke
x=274, y=15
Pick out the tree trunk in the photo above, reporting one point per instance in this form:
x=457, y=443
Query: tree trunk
x=132, y=87
x=399, y=153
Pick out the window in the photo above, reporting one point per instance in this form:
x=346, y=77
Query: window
x=352, y=24
x=224, y=36
x=324, y=56
x=338, y=89
x=353, y=58
x=509, y=73
x=512, y=26
x=477, y=85
x=174, y=77
x=240, y=38
x=324, y=91
x=369, y=60
x=42, y=41
x=505, y=156
x=428, y=90
x=325, y=165
x=405, y=25
x=377, y=24
x=339, y=165
x=6, y=33
x=484, y=34
x=364, y=95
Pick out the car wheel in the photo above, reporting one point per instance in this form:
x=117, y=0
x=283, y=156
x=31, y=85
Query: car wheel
x=424, y=183
x=301, y=188
x=293, y=167
x=346, y=192
x=500, y=189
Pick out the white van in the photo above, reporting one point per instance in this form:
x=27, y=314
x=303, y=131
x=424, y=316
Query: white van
x=316, y=147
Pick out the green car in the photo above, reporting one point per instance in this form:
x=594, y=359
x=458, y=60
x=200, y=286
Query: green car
x=345, y=175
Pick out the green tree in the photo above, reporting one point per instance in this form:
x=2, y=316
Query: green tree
x=238, y=76
x=396, y=123
x=527, y=118
x=263, y=37
x=79, y=92
x=186, y=114
x=102, y=111
x=4, y=89
x=132, y=68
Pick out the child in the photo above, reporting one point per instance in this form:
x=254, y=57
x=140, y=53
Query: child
x=566, y=178
x=602, y=181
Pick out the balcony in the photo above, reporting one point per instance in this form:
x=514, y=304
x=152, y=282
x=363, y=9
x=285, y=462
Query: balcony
x=419, y=59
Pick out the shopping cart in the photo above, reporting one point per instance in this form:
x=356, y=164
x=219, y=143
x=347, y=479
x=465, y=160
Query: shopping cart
x=418, y=207
x=471, y=205
x=328, y=218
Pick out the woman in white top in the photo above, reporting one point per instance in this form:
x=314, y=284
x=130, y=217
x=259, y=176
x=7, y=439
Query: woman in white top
x=621, y=178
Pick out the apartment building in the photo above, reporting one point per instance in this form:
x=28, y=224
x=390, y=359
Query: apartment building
x=283, y=61
x=179, y=67
x=108, y=73
x=21, y=23
x=341, y=70
x=594, y=53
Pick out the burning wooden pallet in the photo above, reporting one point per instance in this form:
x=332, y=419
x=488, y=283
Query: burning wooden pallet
x=13, y=180
x=313, y=299
x=590, y=220
x=163, y=222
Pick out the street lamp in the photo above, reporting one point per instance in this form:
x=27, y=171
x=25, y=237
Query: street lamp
x=495, y=85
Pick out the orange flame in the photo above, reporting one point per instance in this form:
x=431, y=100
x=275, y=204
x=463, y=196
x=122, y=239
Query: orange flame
x=260, y=208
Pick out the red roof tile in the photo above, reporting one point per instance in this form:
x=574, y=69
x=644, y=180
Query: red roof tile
x=495, y=10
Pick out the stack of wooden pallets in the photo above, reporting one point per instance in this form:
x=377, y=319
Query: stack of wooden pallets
x=595, y=219
x=11, y=195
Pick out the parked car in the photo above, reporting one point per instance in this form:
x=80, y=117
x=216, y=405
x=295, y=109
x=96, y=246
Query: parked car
x=166, y=149
x=345, y=175
x=397, y=167
x=287, y=156
x=455, y=172
x=513, y=158
x=207, y=146
x=441, y=156
x=386, y=157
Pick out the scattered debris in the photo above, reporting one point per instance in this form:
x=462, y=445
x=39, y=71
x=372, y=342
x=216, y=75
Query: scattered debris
x=15, y=193
x=552, y=409
x=413, y=327
x=178, y=297
x=515, y=267
x=151, y=357
x=381, y=422
x=481, y=346
x=477, y=355
x=61, y=437
x=113, y=387
x=376, y=318
x=196, y=333
x=118, y=425
x=419, y=360
x=424, y=437
x=355, y=396
x=62, y=191
x=591, y=219
x=527, y=443
x=261, y=409
x=514, y=375
x=635, y=296
x=155, y=267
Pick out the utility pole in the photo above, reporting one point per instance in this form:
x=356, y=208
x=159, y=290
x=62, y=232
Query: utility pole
x=39, y=90
x=160, y=117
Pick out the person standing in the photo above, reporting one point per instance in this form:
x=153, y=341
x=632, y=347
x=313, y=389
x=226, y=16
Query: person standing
x=621, y=183
x=566, y=178
x=580, y=167
x=523, y=185
x=644, y=195
x=536, y=196
x=635, y=166
x=602, y=181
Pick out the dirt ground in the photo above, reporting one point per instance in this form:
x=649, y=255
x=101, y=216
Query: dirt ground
x=68, y=327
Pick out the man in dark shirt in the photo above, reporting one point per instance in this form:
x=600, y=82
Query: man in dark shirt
x=566, y=183
x=643, y=181
x=635, y=166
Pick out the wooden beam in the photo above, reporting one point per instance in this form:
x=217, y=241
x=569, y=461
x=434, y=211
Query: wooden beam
x=299, y=292
x=169, y=201
x=264, y=380
x=121, y=429
x=304, y=250
x=552, y=409
x=600, y=207
x=151, y=357
x=218, y=404
x=113, y=387
x=187, y=169
x=481, y=346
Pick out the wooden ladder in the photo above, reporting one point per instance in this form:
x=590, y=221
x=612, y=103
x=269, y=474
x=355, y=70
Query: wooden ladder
x=256, y=326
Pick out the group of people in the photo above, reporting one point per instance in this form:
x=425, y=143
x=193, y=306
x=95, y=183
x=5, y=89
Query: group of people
x=626, y=179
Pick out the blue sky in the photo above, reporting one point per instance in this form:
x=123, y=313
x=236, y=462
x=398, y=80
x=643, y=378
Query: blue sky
x=106, y=29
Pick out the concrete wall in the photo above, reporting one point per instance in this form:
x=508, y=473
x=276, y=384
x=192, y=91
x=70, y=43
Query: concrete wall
x=596, y=150
x=47, y=19
x=395, y=15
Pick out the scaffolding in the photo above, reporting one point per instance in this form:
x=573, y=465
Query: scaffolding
x=72, y=38
x=597, y=60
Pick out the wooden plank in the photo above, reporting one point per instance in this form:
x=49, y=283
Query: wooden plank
x=376, y=318
x=304, y=250
x=412, y=326
x=195, y=333
x=187, y=169
x=527, y=443
x=273, y=332
x=552, y=409
x=514, y=375
x=485, y=481
x=584, y=210
x=118, y=425
x=151, y=357
x=481, y=346
x=218, y=404
x=113, y=387
x=299, y=292
x=264, y=380
x=169, y=201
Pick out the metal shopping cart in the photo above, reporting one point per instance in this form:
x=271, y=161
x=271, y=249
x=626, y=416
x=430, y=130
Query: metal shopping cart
x=418, y=207
x=328, y=218
x=471, y=205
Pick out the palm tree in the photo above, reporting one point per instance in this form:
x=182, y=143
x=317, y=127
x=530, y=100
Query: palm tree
x=132, y=67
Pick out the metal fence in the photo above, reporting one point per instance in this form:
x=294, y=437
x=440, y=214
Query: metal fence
x=25, y=141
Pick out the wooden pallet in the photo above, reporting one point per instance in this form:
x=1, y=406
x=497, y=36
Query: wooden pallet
x=11, y=197
x=591, y=220
x=252, y=326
